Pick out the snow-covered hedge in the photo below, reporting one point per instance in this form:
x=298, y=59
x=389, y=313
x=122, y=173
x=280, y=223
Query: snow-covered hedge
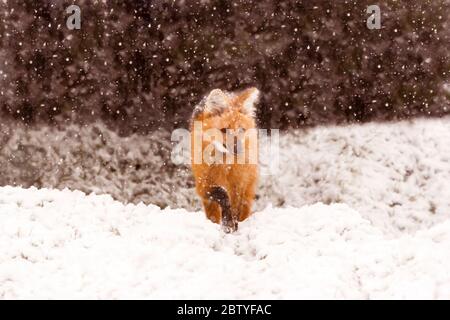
x=397, y=170
x=94, y=159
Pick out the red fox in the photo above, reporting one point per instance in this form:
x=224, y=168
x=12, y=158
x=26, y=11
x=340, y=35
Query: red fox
x=227, y=184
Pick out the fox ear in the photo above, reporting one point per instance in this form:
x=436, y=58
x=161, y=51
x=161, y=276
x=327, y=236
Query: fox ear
x=249, y=98
x=217, y=101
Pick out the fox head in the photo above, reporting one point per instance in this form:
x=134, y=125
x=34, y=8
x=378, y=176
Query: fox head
x=224, y=110
x=224, y=122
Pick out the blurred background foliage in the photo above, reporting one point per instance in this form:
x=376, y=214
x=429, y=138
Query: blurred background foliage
x=142, y=65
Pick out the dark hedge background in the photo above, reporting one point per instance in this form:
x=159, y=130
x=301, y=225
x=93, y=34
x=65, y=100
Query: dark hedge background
x=142, y=65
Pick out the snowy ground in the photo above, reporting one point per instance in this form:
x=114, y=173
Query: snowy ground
x=383, y=232
x=64, y=244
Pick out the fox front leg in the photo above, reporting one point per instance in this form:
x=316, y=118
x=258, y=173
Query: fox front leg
x=220, y=196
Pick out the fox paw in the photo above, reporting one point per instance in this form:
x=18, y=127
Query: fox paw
x=229, y=226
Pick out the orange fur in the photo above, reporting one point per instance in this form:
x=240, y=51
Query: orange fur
x=239, y=180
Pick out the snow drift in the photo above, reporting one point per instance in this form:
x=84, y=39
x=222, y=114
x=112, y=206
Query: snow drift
x=64, y=244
